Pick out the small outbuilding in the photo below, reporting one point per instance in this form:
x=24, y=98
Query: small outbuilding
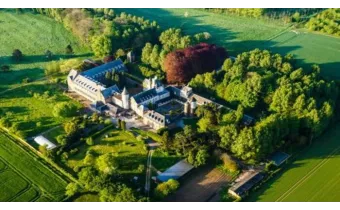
x=245, y=182
x=41, y=140
x=176, y=171
x=279, y=158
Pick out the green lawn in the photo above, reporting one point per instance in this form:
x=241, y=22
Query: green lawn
x=130, y=152
x=33, y=34
x=162, y=161
x=25, y=177
x=54, y=133
x=313, y=176
x=239, y=34
x=22, y=105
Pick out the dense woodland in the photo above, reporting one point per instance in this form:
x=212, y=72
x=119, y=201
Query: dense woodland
x=286, y=14
x=292, y=106
x=327, y=22
x=154, y=56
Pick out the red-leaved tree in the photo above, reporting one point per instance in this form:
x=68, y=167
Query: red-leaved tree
x=182, y=65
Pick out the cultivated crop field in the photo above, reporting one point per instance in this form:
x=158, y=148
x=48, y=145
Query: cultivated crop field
x=32, y=104
x=313, y=176
x=33, y=34
x=130, y=152
x=239, y=34
x=24, y=178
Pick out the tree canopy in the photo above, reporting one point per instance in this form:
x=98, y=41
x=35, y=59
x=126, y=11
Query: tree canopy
x=182, y=65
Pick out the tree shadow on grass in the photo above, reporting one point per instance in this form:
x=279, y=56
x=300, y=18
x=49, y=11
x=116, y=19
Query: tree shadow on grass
x=29, y=59
x=228, y=39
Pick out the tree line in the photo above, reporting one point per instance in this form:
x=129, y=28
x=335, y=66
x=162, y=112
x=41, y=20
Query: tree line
x=153, y=55
x=326, y=22
x=104, y=30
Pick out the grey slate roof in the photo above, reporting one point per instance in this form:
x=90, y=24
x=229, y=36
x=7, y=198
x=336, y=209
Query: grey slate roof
x=176, y=171
x=251, y=179
x=109, y=91
x=156, y=117
x=143, y=96
x=116, y=65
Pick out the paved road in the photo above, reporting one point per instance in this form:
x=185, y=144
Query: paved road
x=148, y=173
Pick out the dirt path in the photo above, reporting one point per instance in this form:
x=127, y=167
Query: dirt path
x=202, y=184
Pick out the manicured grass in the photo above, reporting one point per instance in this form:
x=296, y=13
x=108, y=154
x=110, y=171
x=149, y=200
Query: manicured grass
x=147, y=134
x=130, y=152
x=313, y=176
x=239, y=34
x=21, y=106
x=25, y=171
x=162, y=161
x=33, y=34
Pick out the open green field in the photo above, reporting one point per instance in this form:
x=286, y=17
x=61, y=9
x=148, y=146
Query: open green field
x=33, y=103
x=313, y=176
x=130, y=152
x=239, y=34
x=33, y=34
x=23, y=177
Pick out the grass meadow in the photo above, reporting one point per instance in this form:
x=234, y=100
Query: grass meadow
x=33, y=34
x=31, y=106
x=130, y=152
x=24, y=178
x=313, y=176
x=239, y=34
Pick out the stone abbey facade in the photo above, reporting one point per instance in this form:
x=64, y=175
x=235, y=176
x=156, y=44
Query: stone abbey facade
x=156, y=104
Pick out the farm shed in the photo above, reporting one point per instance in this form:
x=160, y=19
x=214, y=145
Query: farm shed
x=42, y=141
x=245, y=182
x=176, y=171
x=278, y=158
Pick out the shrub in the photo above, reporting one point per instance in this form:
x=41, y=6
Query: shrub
x=107, y=122
x=164, y=189
x=72, y=189
x=62, y=140
x=228, y=163
x=26, y=80
x=64, y=109
x=5, y=122
x=89, y=141
x=141, y=168
x=74, y=151
x=21, y=134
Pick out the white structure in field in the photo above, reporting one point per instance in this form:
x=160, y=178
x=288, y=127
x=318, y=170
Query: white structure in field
x=41, y=140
